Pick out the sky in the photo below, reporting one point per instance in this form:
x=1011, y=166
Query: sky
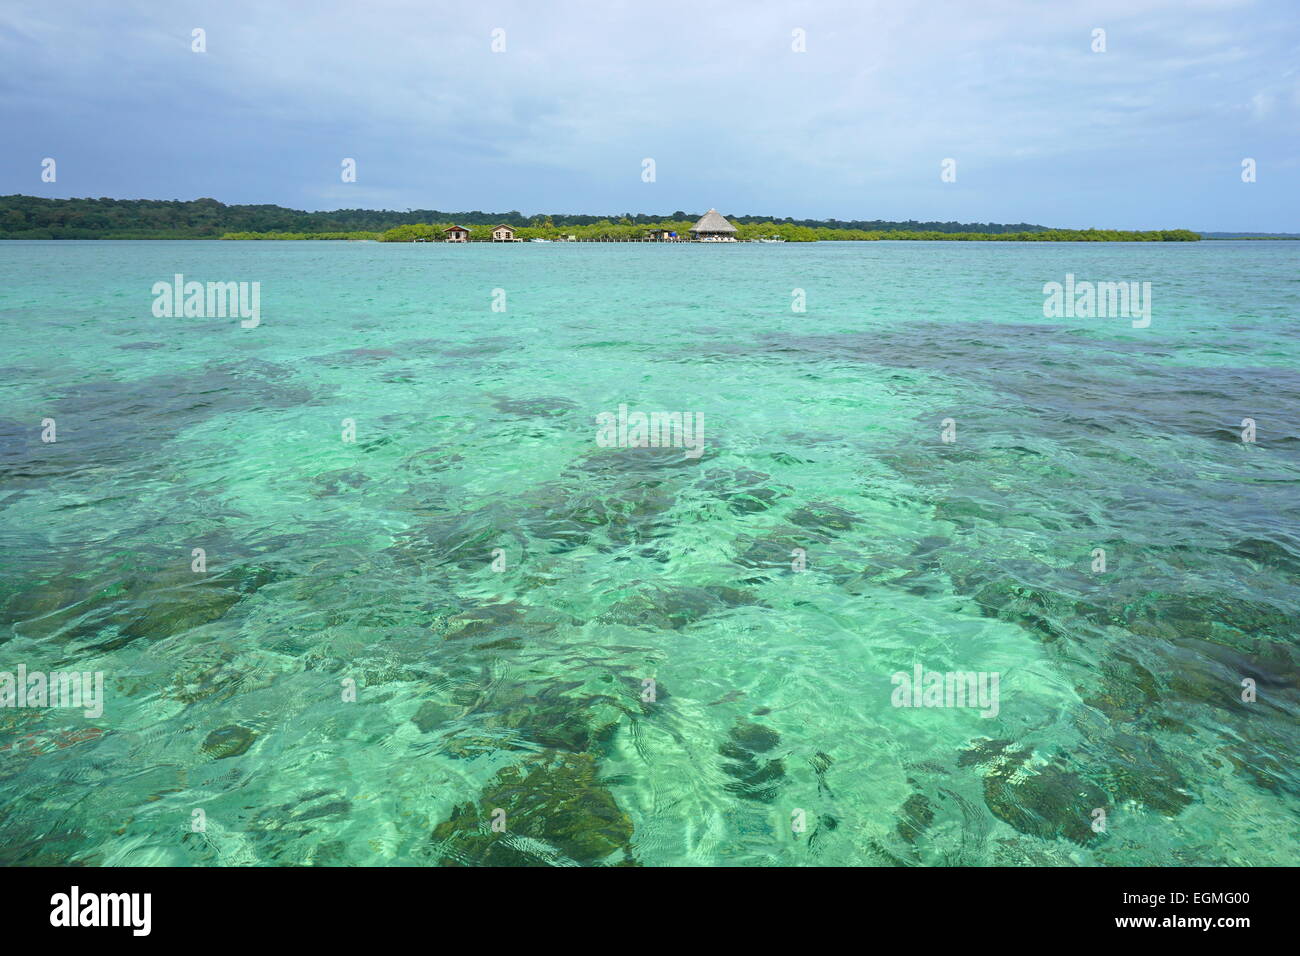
x=1150, y=133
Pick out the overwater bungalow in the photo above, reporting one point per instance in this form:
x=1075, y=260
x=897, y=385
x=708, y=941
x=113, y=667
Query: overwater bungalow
x=455, y=234
x=503, y=233
x=712, y=227
x=661, y=235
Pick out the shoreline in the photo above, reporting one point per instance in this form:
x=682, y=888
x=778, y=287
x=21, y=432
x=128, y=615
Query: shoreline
x=344, y=239
x=34, y=217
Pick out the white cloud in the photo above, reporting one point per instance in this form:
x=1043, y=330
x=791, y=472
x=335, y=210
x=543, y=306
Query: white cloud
x=712, y=91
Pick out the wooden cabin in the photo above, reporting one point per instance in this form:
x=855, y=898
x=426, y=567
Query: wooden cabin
x=455, y=234
x=712, y=227
x=503, y=233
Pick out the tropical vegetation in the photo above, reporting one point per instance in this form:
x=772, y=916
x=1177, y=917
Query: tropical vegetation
x=35, y=217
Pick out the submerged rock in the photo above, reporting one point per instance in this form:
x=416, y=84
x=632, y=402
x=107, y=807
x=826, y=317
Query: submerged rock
x=822, y=517
x=1258, y=763
x=745, y=491
x=543, y=407
x=1135, y=768
x=209, y=671
x=824, y=824
x=676, y=608
x=43, y=844
x=648, y=462
x=1050, y=803
x=1042, y=610
x=755, y=778
x=353, y=357
x=190, y=601
x=1047, y=801
x=1281, y=555
x=333, y=482
x=915, y=817
x=434, y=716
x=464, y=541
x=432, y=461
x=1209, y=617
x=108, y=612
x=229, y=741
x=557, y=811
x=577, y=725
x=484, y=620
x=617, y=514
x=292, y=818
x=1127, y=691
x=821, y=763
x=775, y=553
x=578, y=716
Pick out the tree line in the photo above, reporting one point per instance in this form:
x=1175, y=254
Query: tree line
x=769, y=229
x=34, y=217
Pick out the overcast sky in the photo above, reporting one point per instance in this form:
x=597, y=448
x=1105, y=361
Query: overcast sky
x=1151, y=133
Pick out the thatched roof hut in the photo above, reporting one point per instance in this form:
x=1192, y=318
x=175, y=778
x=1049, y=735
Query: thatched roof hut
x=712, y=226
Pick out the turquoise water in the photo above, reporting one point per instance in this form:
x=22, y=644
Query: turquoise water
x=523, y=688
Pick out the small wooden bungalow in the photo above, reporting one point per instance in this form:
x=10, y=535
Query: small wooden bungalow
x=712, y=227
x=503, y=233
x=455, y=234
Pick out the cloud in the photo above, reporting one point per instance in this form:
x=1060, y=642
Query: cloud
x=855, y=127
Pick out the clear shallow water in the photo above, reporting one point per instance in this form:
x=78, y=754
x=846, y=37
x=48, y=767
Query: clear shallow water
x=522, y=689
